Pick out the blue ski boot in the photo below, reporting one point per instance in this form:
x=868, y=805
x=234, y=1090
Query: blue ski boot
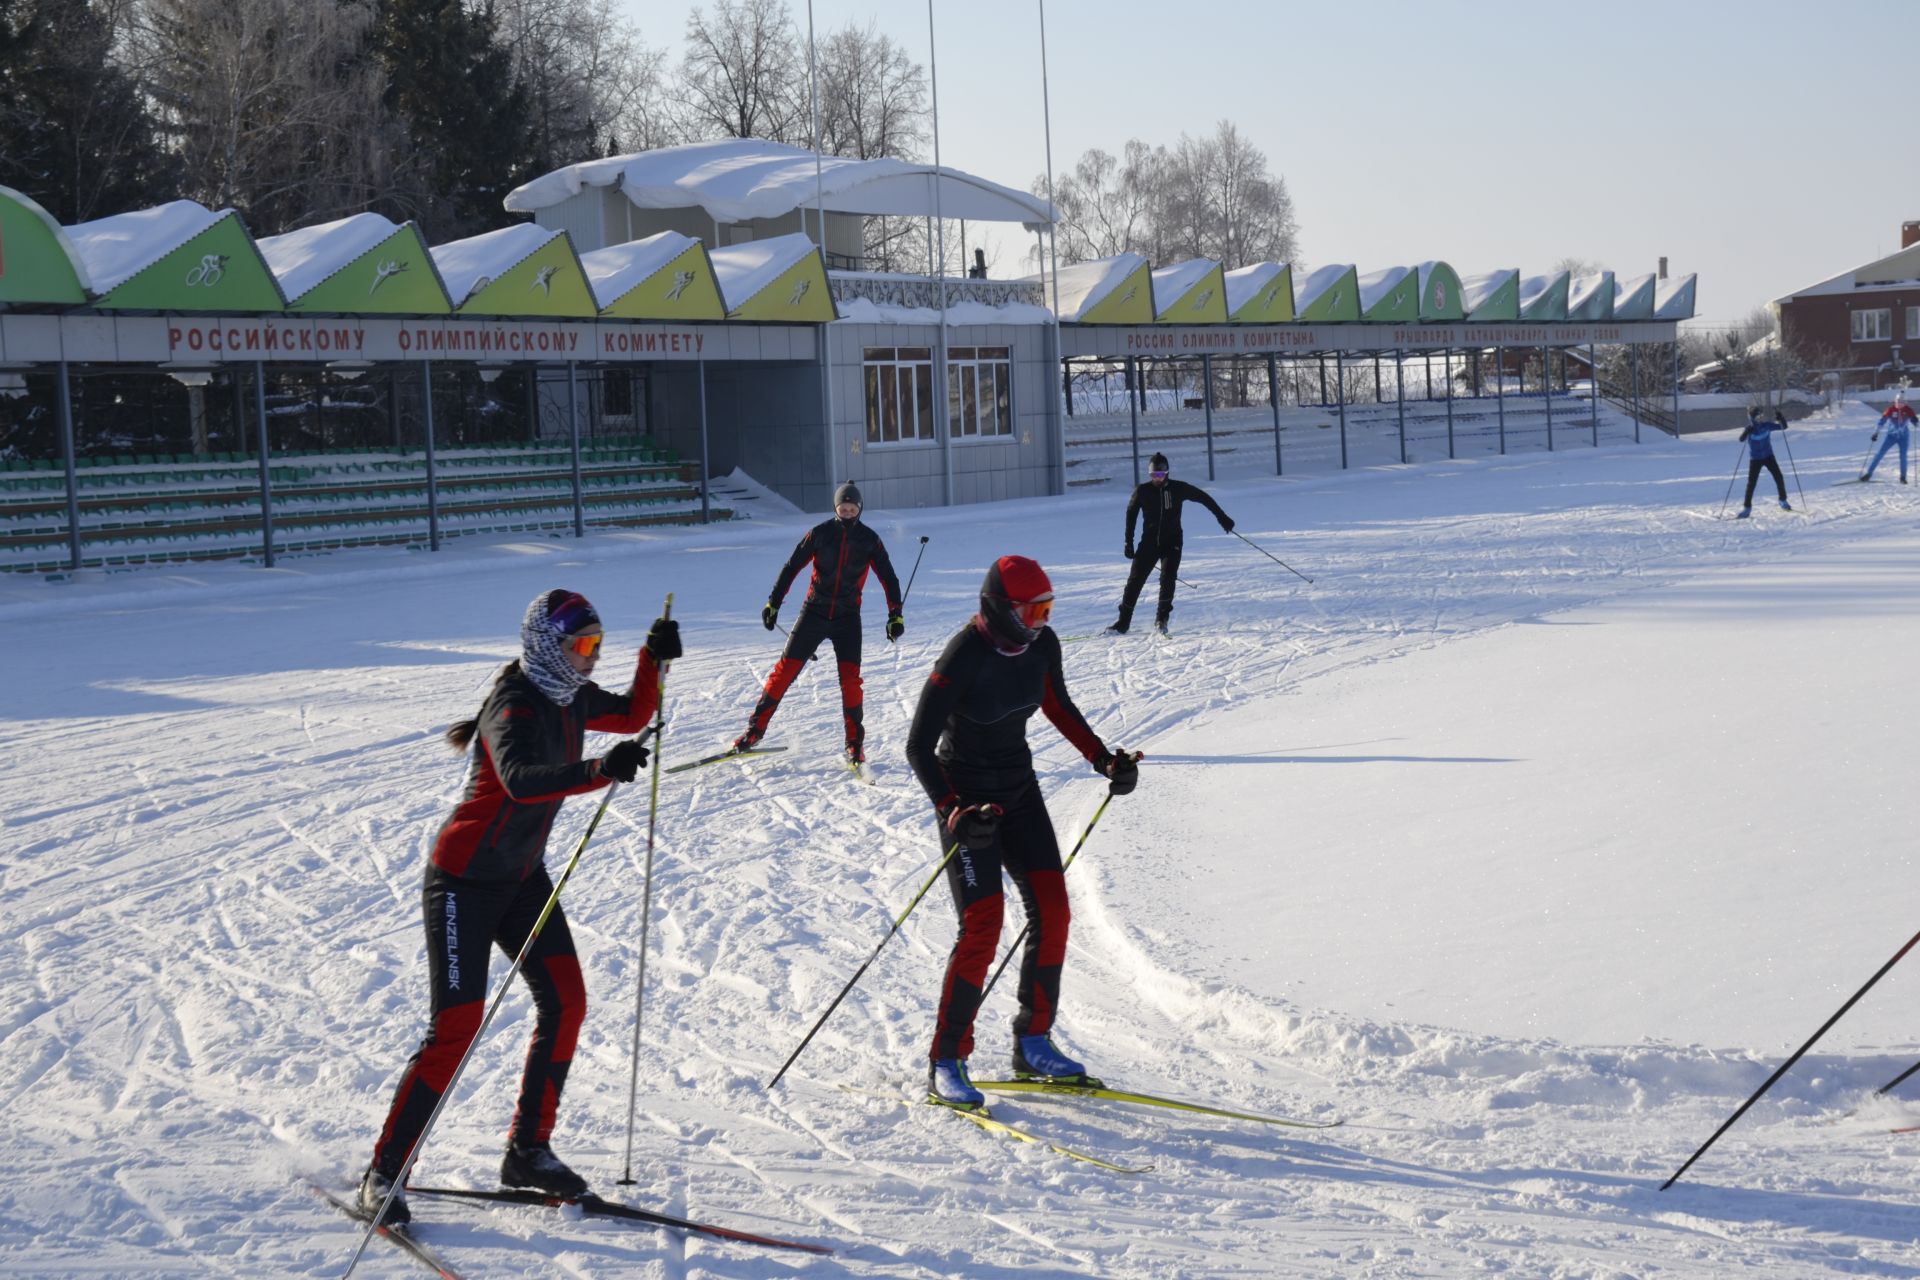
x=1746, y=513
x=1785, y=506
x=1034, y=1057
x=949, y=1083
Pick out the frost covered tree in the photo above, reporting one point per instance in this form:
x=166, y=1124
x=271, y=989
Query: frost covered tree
x=592, y=85
x=75, y=133
x=271, y=106
x=743, y=73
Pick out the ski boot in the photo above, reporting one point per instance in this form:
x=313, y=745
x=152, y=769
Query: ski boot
x=748, y=740
x=1746, y=513
x=1785, y=505
x=536, y=1167
x=949, y=1084
x=1160, y=625
x=1035, y=1058
x=374, y=1187
x=1117, y=629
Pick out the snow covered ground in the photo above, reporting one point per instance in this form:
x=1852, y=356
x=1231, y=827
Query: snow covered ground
x=1527, y=840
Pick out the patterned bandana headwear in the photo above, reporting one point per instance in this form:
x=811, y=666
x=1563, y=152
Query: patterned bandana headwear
x=551, y=618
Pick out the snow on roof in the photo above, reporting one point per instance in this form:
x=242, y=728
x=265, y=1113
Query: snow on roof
x=1633, y=298
x=743, y=270
x=739, y=179
x=113, y=250
x=1673, y=299
x=618, y=269
x=1307, y=290
x=1245, y=283
x=867, y=311
x=1376, y=285
x=1085, y=285
x=1170, y=284
x=1475, y=290
x=1583, y=290
x=1532, y=288
x=1898, y=268
x=465, y=266
x=301, y=259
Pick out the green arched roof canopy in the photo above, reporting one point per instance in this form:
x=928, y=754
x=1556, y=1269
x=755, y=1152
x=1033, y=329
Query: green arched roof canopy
x=1633, y=298
x=1260, y=294
x=1192, y=292
x=176, y=257
x=1590, y=298
x=1328, y=295
x=1390, y=295
x=522, y=270
x=363, y=265
x=1493, y=295
x=1440, y=294
x=1544, y=297
x=663, y=277
x=37, y=261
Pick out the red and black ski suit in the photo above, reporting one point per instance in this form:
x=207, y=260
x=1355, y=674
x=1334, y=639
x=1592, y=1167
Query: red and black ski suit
x=842, y=552
x=968, y=746
x=486, y=884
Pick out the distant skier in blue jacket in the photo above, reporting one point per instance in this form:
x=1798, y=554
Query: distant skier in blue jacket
x=1897, y=422
x=1760, y=454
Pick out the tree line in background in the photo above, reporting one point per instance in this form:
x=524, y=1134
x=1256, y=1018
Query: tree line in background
x=301, y=111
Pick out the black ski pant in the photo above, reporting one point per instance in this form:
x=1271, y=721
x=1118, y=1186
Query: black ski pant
x=463, y=918
x=1143, y=562
x=809, y=632
x=1753, y=477
x=1026, y=850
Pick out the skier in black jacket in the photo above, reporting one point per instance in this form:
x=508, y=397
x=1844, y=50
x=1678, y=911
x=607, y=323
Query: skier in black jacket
x=1157, y=503
x=968, y=747
x=486, y=883
x=842, y=551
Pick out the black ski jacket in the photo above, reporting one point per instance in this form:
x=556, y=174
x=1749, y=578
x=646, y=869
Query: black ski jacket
x=526, y=760
x=1158, y=506
x=968, y=741
x=842, y=552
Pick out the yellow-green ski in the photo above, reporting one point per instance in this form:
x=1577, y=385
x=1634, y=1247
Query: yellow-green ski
x=1088, y=1087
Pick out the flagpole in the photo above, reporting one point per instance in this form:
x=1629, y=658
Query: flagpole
x=820, y=219
x=942, y=413
x=1053, y=255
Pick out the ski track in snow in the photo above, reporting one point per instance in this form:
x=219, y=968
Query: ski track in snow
x=218, y=802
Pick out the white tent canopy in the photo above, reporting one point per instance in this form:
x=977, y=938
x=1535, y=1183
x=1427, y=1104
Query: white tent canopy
x=741, y=179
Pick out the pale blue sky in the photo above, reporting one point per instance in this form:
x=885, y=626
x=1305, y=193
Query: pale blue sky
x=1761, y=143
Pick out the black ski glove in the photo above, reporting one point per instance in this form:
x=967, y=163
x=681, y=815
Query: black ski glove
x=625, y=761
x=1780, y=417
x=1122, y=770
x=1129, y=550
x=663, y=640
x=769, y=613
x=1226, y=524
x=1874, y=438
x=896, y=625
x=975, y=826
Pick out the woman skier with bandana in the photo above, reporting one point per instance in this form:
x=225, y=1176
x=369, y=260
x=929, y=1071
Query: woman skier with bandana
x=486, y=881
x=968, y=747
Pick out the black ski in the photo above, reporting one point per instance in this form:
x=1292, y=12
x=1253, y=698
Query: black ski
x=401, y=1236
x=730, y=753
x=594, y=1207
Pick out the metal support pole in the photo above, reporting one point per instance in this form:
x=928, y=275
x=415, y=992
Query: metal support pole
x=65, y=399
x=573, y=433
x=266, y=480
x=1449, y=362
x=1273, y=401
x=1500, y=393
x=1593, y=393
x=1206, y=377
x=1546, y=386
x=706, y=500
x=1633, y=371
x=1323, y=377
x=1340, y=376
x=433, y=472
x=1134, y=373
x=1676, y=382
x=1400, y=398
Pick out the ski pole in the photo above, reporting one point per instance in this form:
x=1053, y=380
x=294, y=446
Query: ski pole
x=646, y=902
x=897, y=922
x=499, y=997
x=1014, y=950
x=914, y=574
x=1796, y=470
x=1797, y=1053
x=1269, y=555
x=1731, y=481
x=1899, y=1079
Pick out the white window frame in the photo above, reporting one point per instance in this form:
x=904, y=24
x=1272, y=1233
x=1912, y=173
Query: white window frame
x=884, y=368
x=980, y=421
x=1883, y=328
x=1913, y=322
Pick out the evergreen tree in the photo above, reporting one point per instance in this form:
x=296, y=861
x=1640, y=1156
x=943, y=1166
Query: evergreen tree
x=74, y=131
x=462, y=121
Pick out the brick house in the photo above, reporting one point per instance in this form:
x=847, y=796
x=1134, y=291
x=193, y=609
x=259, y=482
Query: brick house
x=1862, y=325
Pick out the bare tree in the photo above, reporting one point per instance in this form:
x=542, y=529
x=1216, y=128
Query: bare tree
x=1578, y=266
x=873, y=96
x=1218, y=201
x=272, y=105
x=1106, y=205
x=743, y=74
x=592, y=85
